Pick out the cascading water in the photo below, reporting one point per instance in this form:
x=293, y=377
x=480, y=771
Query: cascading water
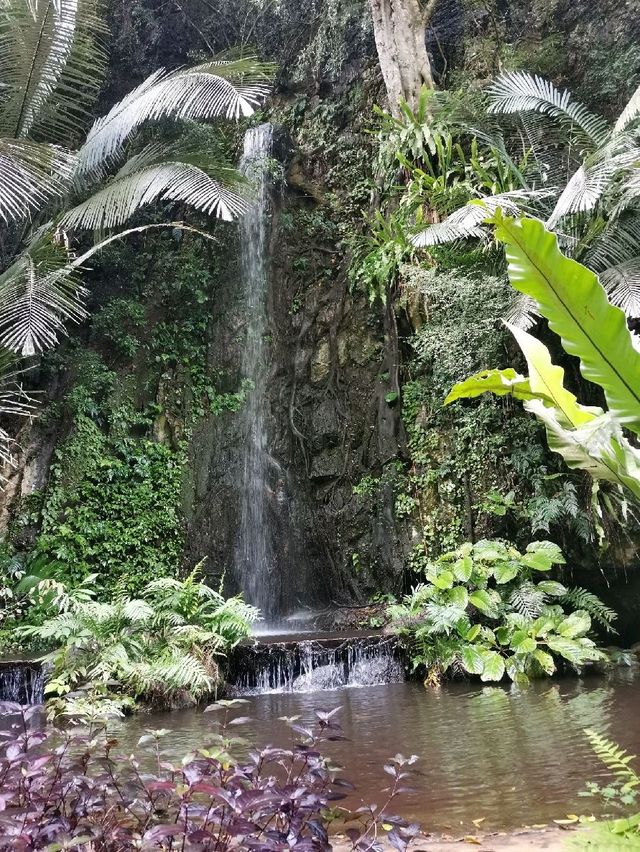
x=254, y=558
x=315, y=664
x=22, y=682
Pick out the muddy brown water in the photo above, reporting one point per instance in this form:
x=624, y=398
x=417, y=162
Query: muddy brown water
x=508, y=758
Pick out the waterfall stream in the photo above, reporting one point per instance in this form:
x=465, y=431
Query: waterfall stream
x=22, y=682
x=254, y=558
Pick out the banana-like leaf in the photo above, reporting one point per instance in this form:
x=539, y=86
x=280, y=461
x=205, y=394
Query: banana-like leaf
x=577, y=309
x=598, y=447
x=500, y=382
x=219, y=88
x=546, y=381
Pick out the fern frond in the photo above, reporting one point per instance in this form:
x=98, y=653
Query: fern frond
x=580, y=598
x=528, y=600
x=616, y=759
x=518, y=91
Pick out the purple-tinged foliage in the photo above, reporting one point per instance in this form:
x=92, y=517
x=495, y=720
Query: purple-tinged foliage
x=74, y=791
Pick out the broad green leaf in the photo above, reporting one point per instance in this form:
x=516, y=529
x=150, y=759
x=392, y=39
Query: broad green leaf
x=493, y=666
x=482, y=600
x=462, y=568
x=576, y=624
x=500, y=382
x=542, y=625
x=547, y=380
x=571, y=649
x=489, y=550
x=545, y=661
x=503, y=635
x=575, y=304
x=598, y=447
x=552, y=550
x=459, y=596
x=472, y=660
x=504, y=572
x=525, y=646
x=539, y=561
x=443, y=580
x=473, y=633
x=551, y=587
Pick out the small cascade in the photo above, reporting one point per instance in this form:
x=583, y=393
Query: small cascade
x=22, y=682
x=316, y=664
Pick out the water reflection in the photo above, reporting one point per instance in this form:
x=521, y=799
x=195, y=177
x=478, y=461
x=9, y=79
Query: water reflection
x=510, y=757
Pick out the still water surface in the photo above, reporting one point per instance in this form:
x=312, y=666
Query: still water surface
x=512, y=758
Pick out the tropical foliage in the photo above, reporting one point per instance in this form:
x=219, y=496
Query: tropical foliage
x=77, y=790
x=481, y=609
x=620, y=793
x=576, y=307
x=161, y=647
x=594, y=212
x=52, y=65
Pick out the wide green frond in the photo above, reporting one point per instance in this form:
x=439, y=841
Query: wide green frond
x=518, y=91
x=30, y=175
x=38, y=294
x=232, y=89
x=576, y=306
x=49, y=62
x=174, y=181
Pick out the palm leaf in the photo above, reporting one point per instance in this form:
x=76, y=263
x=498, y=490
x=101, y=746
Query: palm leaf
x=217, y=88
x=467, y=222
x=173, y=181
x=629, y=113
x=38, y=294
x=518, y=91
x=576, y=306
x=622, y=283
x=30, y=175
x=49, y=60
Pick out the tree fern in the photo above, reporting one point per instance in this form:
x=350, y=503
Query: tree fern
x=616, y=759
x=582, y=599
x=528, y=600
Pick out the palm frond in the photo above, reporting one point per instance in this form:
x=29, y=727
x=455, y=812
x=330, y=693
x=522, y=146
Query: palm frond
x=622, y=283
x=522, y=312
x=217, y=88
x=467, y=222
x=38, y=294
x=173, y=181
x=518, y=91
x=30, y=175
x=49, y=60
x=629, y=113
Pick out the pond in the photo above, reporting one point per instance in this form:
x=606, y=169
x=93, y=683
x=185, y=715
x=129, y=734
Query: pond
x=509, y=758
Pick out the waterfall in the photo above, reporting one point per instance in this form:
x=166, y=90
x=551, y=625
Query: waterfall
x=21, y=682
x=254, y=558
x=315, y=664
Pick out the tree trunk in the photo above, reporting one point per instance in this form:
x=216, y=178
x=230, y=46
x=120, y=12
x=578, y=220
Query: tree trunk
x=399, y=28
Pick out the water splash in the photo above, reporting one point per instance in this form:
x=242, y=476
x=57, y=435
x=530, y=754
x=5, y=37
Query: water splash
x=313, y=665
x=22, y=683
x=254, y=558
